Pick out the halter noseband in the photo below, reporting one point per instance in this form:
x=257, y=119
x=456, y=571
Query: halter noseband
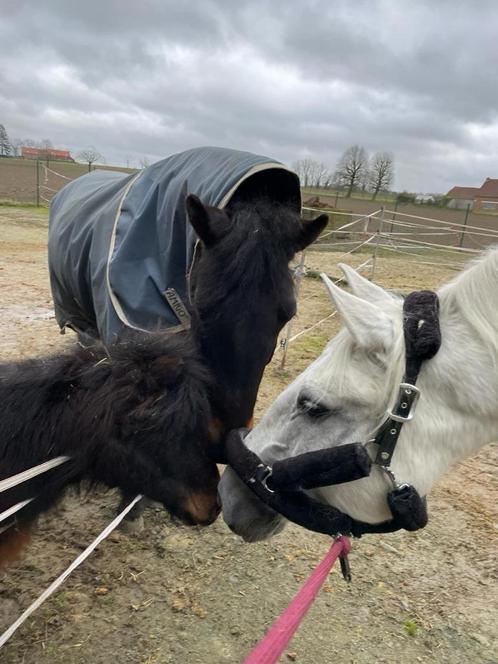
x=282, y=485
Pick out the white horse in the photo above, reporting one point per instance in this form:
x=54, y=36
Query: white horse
x=344, y=395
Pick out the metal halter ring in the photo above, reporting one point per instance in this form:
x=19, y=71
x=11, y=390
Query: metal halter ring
x=262, y=475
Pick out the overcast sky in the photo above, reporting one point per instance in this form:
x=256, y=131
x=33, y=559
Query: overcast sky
x=289, y=79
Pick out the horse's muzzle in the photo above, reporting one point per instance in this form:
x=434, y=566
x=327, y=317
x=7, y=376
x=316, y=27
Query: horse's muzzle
x=200, y=509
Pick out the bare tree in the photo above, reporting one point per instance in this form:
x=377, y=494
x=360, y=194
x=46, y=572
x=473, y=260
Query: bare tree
x=17, y=144
x=312, y=173
x=381, y=172
x=364, y=178
x=5, y=146
x=351, y=167
x=90, y=157
x=302, y=168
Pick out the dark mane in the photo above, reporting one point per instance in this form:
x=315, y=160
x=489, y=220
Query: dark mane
x=134, y=416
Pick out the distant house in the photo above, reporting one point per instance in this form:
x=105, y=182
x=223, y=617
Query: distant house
x=486, y=199
x=462, y=197
x=46, y=153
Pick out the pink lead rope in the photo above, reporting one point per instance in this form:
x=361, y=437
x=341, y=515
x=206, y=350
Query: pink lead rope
x=271, y=647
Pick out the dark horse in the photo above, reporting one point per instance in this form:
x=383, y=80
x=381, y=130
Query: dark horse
x=148, y=414
x=120, y=247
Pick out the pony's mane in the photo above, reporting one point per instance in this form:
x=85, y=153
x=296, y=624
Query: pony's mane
x=473, y=295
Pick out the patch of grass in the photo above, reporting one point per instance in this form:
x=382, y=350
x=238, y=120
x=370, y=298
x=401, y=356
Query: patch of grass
x=61, y=601
x=332, y=193
x=7, y=202
x=311, y=344
x=411, y=627
x=312, y=274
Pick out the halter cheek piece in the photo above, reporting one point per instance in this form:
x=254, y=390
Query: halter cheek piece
x=282, y=485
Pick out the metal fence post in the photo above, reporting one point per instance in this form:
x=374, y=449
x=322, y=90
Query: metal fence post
x=393, y=218
x=377, y=240
x=464, y=225
x=37, y=183
x=285, y=342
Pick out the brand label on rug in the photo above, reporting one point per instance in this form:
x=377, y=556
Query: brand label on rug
x=175, y=302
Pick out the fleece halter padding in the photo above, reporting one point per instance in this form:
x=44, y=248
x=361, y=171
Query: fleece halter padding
x=281, y=486
x=421, y=329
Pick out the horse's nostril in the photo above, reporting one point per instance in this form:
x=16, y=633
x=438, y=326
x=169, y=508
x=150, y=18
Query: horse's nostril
x=213, y=515
x=202, y=509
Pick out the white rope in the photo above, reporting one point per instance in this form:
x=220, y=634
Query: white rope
x=59, y=174
x=308, y=329
x=341, y=212
x=373, y=215
x=60, y=579
x=457, y=231
x=26, y=475
x=15, y=508
x=422, y=232
x=453, y=264
x=339, y=243
x=432, y=245
x=438, y=221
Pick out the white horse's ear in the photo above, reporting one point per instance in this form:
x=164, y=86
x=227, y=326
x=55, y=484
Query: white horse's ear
x=370, y=327
x=364, y=288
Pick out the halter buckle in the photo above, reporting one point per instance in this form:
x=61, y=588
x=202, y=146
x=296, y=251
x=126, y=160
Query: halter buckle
x=407, y=400
x=262, y=475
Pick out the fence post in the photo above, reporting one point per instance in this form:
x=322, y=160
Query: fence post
x=464, y=224
x=37, y=183
x=285, y=342
x=377, y=240
x=394, y=214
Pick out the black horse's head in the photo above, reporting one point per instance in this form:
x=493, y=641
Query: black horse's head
x=242, y=293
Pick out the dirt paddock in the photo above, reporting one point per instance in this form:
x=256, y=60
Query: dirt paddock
x=201, y=596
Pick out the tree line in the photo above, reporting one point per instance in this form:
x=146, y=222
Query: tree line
x=355, y=171
x=13, y=148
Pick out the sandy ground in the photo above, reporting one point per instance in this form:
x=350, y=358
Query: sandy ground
x=185, y=596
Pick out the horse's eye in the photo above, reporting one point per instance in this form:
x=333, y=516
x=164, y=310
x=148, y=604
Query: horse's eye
x=311, y=408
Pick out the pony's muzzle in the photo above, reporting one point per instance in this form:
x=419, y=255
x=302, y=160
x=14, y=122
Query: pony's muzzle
x=200, y=509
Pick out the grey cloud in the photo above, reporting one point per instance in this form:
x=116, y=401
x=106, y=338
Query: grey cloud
x=288, y=79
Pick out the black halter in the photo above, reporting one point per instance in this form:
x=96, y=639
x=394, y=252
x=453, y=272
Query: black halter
x=281, y=485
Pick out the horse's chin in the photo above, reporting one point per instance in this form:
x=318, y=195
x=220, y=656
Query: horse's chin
x=243, y=513
x=257, y=531
x=367, y=501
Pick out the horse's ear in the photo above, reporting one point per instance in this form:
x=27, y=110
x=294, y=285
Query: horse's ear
x=200, y=217
x=364, y=288
x=370, y=327
x=310, y=230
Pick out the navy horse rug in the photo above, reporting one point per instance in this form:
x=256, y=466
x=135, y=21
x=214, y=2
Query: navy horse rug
x=120, y=247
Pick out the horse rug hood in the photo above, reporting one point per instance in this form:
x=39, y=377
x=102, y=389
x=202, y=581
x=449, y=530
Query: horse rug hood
x=120, y=246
